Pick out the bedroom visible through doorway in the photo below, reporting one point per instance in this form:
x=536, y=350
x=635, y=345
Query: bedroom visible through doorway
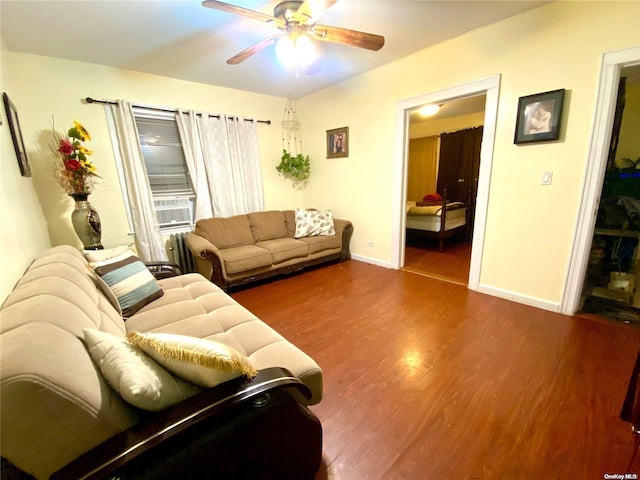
x=443, y=164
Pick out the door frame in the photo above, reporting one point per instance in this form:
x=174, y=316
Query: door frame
x=490, y=87
x=611, y=65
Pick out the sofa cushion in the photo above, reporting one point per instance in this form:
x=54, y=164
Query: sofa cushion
x=55, y=403
x=290, y=221
x=58, y=288
x=245, y=258
x=137, y=378
x=131, y=282
x=204, y=362
x=284, y=249
x=226, y=232
x=194, y=306
x=267, y=225
x=321, y=243
x=313, y=222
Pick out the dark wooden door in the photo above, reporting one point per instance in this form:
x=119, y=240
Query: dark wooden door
x=459, y=167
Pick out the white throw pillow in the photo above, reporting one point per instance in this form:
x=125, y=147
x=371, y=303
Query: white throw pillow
x=137, y=378
x=106, y=253
x=310, y=223
x=204, y=362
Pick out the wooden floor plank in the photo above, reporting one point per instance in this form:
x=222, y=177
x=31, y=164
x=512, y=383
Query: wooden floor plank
x=427, y=379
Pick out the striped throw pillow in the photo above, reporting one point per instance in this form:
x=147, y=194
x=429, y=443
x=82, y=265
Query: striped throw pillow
x=131, y=283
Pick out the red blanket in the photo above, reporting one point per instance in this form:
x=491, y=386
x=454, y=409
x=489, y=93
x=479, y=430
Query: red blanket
x=430, y=199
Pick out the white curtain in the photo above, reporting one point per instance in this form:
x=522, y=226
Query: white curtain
x=149, y=243
x=232, y=158
x=194, y=156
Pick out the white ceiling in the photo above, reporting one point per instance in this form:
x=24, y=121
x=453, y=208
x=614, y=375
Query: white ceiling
x=454, y=108
x=182, y=39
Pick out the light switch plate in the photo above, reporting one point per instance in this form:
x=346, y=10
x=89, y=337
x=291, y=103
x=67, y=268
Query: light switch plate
x=546, y=178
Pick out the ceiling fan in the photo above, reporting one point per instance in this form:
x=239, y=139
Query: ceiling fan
x=296, y=19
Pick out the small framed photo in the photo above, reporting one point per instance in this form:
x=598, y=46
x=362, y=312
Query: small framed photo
x=338, y=142
x=16, y=135
x=539, y=117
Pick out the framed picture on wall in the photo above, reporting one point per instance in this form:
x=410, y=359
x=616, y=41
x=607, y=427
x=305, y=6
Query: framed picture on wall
x=338, y=142
x=539, y=117
x=16, y=135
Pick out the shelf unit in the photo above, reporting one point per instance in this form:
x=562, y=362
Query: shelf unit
x=599, y=272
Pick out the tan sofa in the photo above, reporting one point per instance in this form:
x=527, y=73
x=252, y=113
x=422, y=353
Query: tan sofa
x=56, y=405
x=236, y=250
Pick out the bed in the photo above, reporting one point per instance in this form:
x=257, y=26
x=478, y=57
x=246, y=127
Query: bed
x=434, y=221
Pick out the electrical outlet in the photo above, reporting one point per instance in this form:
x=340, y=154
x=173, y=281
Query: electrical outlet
x=369, y=244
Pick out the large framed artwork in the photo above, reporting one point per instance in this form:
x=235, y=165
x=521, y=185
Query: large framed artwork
x=539, y=117
x=338, y=142
x=16, y=135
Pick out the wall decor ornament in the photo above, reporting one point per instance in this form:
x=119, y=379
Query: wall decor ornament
x=539, y=117
x=77, y=176
x=338, y=142
x=16, y=135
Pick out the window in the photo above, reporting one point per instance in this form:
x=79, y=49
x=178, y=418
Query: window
x=173, y=194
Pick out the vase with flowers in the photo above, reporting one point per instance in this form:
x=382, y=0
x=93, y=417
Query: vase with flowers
x=77, y=175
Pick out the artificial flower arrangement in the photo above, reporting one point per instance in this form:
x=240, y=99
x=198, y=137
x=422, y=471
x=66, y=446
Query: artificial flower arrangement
x=74, y=171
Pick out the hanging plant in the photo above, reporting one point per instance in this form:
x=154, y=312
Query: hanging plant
x=293, y=164
x=297, y=168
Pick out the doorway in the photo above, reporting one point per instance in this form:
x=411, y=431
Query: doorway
x=443, y=161
x=488, y=87
x=612, y=64
x=610, y=288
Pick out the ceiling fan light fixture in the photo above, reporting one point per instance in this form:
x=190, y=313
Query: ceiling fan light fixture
x=429, y=110
x=298, y=51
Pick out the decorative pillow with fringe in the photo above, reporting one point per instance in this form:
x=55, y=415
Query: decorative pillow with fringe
x=137, y=378
x=204, y=362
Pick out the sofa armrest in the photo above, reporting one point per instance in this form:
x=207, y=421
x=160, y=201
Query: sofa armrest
x=163, y=269
x=344, y=229
x=199, y=435
x=209, y=261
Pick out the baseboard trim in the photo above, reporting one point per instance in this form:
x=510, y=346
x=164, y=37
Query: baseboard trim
x=520, y=298
x=372, y=261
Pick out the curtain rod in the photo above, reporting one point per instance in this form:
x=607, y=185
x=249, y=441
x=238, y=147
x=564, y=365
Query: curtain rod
x=109, y=102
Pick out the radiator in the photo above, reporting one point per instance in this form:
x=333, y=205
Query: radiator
x=182, y=256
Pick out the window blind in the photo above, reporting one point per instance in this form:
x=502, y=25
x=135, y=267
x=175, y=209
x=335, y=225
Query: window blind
x=163, y=155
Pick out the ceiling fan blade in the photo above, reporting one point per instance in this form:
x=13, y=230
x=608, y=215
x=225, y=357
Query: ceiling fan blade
x=245, y=12
x=311, y=10
x=370, y=41
x=252, y=50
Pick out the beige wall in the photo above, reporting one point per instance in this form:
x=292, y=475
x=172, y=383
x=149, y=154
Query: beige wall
x=23, y=230
x=529, y=227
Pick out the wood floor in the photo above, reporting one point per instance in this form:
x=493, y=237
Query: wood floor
x=452, y=264
x=425, y=379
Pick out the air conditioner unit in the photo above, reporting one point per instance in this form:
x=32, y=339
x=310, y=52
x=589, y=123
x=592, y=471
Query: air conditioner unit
x=173, y=212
